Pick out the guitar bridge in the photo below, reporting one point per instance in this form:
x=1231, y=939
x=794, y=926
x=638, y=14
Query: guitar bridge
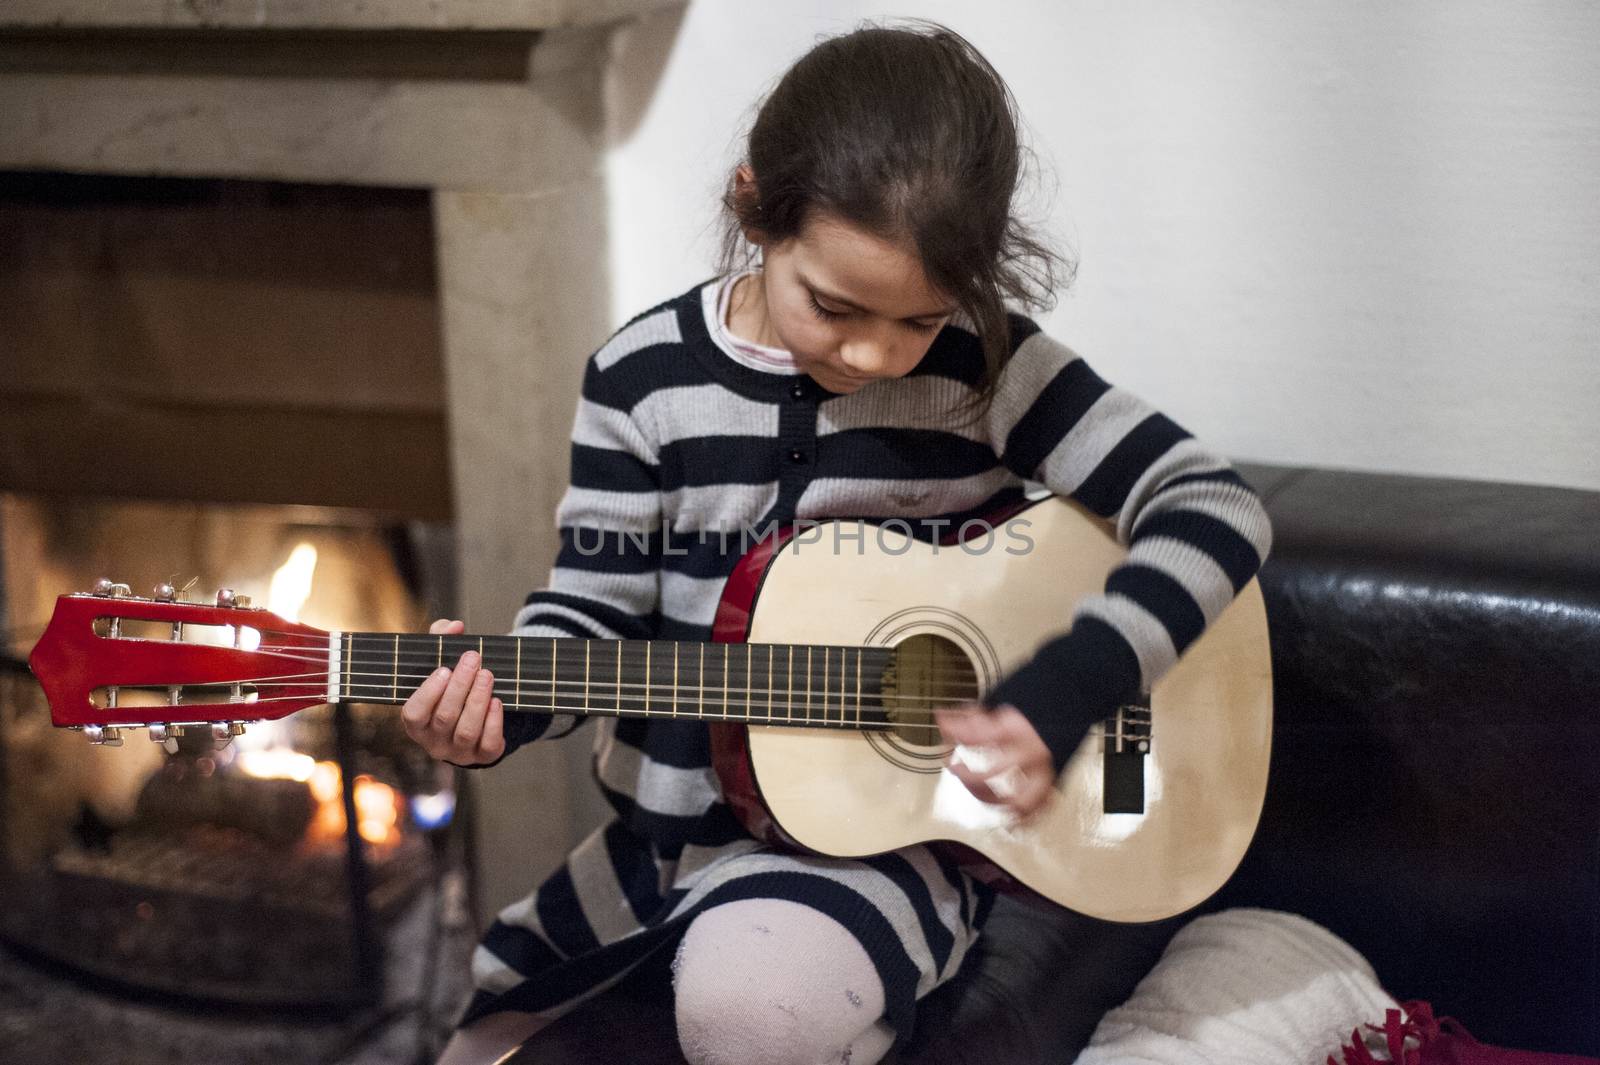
x=1126, y=738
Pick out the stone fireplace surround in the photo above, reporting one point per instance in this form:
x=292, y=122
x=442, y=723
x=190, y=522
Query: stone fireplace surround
x=498, y=108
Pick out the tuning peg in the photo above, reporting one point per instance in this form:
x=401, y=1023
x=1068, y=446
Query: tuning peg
x=167, y=736
x=241, y=601
x=223, y=732
x=107, y=587
x=166, y=593
x=103, y=735
x=226, y=597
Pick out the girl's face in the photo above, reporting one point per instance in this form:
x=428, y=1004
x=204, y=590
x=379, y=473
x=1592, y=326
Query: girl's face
x=850, y=307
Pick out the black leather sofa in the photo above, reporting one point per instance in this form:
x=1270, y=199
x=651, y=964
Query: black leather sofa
x=1434, y=795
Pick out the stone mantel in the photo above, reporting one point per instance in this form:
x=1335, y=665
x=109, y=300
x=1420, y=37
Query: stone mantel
x=510, y=99
x=496, y=106
x=322, y=14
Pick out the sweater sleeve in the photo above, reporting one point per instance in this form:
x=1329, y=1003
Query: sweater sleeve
x=605, y=583
x=1196, y=534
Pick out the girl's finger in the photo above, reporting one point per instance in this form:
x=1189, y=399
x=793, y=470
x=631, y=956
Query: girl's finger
x=1037, y=795
x=965, y=724
x=492, y=743
x=975, y=782
x=1011, y=784
x=455, y=695
x=469, y=726
x=444, y=627
x=419, y=707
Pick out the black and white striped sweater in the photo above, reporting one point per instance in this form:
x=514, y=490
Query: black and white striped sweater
x=676, y=439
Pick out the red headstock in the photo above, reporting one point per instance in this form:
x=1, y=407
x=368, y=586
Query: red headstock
x=112, y=659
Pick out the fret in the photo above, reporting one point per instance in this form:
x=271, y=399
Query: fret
x=675, y=678
x=844, y=674
x=586, y=644
x=616, y=699
x=647, y=644
x=824, y=687
x=439, y=658
x=735, y=684
x=788, y=706
x=808, y=683
x=518, y=695
x=394, y=684
x=568, y=671
x=844, y=682
x=844, y=659
x=844, y=685
x=749, y=653
x=349, y=671
x=769, y=681
x=859, y=652
x=702, y=681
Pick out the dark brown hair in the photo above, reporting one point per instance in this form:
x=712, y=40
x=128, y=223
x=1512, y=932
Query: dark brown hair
x=907, y=132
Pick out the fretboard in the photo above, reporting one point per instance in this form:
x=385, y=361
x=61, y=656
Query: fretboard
x=780, y=684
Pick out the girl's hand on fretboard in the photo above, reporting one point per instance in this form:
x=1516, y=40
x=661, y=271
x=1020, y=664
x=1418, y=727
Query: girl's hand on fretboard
x=452, y=714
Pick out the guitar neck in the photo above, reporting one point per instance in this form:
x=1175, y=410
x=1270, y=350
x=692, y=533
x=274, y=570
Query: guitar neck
x=769, y=684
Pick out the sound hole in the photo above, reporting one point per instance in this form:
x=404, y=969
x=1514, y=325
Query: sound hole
x=929, y=671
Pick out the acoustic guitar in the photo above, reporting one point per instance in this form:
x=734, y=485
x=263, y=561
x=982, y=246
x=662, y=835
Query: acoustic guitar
x=826, y=663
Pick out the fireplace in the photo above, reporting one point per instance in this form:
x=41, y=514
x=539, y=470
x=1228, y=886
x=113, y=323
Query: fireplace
x=241, y=355
x=283, y=278
x=491, y=118
x=223, y=868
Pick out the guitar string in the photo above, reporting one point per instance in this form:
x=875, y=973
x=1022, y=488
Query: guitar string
x=863, y=726
x=689, y=694
x=429, y=644
x=821, y=695
x=430, y=641
x=870, y=725
x=953, y=675
x=953, y=672
x=867, y=716
x=962, y=692
x=592, y=681
x=419, y=644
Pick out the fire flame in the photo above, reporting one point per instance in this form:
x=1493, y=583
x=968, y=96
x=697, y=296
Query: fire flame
x=288, y=592
x=377, y=804
x=286, y=595
x=276, y=763
x=377, y=807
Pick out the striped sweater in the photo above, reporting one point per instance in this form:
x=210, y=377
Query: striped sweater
x=676, y=439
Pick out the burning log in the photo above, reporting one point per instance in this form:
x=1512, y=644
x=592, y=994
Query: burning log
x=277, y=811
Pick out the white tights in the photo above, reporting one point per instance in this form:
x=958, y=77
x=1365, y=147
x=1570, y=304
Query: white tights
x=774, y=982
x=755, y=982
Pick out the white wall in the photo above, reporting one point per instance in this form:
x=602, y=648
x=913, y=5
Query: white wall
x=1346, y=234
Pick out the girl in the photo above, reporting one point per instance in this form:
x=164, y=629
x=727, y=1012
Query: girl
x=867, y=366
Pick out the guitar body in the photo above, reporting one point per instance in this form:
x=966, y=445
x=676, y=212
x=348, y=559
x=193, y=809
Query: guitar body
x=854, y=793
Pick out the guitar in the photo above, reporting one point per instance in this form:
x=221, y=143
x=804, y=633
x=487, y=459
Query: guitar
x=819, y=682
